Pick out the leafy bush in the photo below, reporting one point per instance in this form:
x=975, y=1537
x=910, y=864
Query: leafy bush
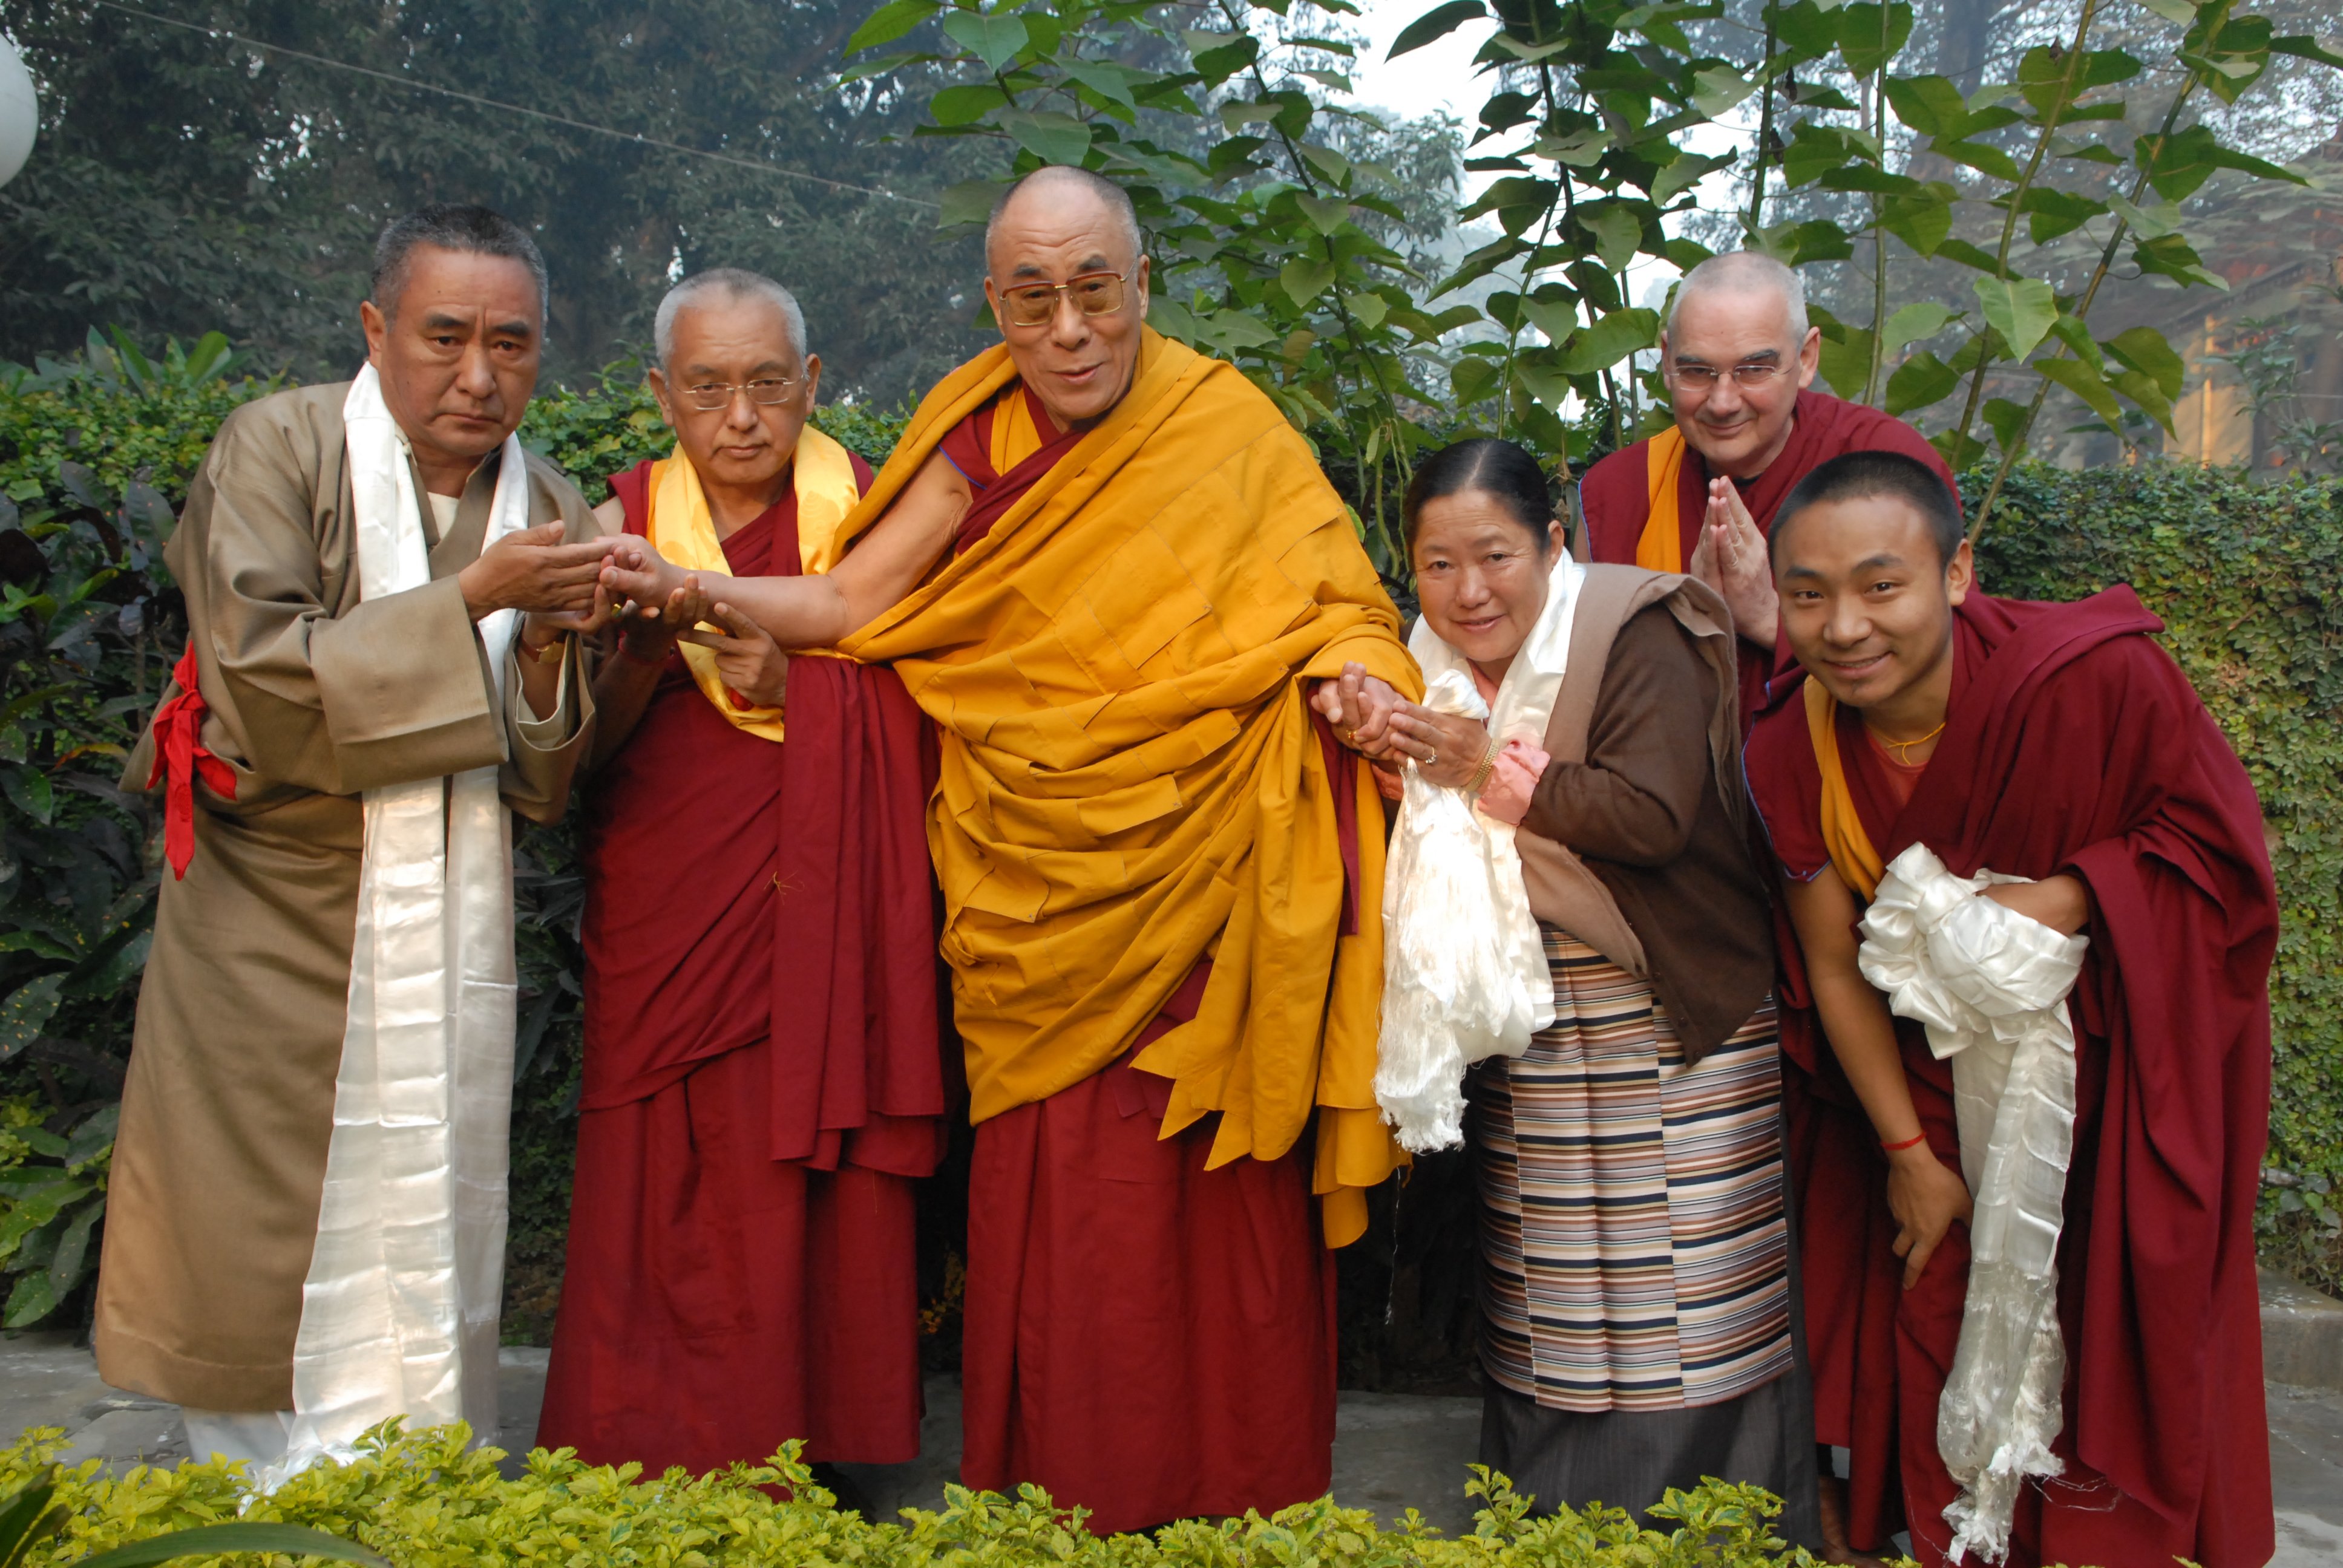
x=2249, y=581
x=427, y=1502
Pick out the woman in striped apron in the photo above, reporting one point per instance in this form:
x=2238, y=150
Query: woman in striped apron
x=1638, y=1299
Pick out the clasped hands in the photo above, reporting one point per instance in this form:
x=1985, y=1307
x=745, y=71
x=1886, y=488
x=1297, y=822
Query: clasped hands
x=1447, y=748
x=584, y=588
x=1731, y=558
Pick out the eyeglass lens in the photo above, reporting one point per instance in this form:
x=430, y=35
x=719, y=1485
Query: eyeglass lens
x=1702, y=377
x=1094, y=294
x=710, y=396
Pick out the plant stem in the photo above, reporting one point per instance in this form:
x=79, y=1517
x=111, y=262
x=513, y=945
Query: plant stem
x=1878, y=220
x=2074, y=58
x=2016, y=448
x=1766, y=116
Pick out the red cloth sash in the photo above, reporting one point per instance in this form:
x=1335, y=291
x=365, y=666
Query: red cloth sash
x=742, y=892
x=2076, y=746
x=968, y=448
x=181, y=756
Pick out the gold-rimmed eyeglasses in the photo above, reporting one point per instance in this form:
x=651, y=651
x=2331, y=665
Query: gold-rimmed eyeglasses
x=707, y=396
x=1036, y=303
x=1748, y=376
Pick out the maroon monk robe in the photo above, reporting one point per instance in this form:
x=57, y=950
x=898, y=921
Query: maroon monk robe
x=2073, y=745
x=762, y=1083
x=1144, y=1338
x=1616, y=496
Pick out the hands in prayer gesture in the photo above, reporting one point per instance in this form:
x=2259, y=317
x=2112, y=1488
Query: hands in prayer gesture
x=1731, y=559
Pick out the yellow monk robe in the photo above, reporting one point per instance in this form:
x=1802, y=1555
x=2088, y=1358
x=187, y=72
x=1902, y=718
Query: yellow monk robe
x=1130, y=781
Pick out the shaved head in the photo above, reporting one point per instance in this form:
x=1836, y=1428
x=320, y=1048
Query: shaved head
x=1058, y=182
x=1745, y=273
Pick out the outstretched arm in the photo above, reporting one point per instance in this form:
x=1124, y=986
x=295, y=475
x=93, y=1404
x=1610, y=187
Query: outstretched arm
x=817, y=610
x=1924, y=1193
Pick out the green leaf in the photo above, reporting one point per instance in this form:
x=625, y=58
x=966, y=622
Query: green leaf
x=1846, y=360
x=214, y=1540
x=1580, y=149
x=2146, y=222
x=1329, y=164
x=1868, y=40
x=2144, y=391
x=2145, y=351
x=2085, y=383
x=1052, y=137
x=28, y=790
x=993, y=39
x=1921, y=319
x=2022, y=309
x=72, y=1260
x=891, y=22
x=2007, y=420
x=1931, y=106
x=1470, y=379
x=1979, y=155
x=2178, y=12
x=2071, y=331
x=1304, y=279
x=971, y=201
x=2171, y=256
x=1106, y=79
x=34, y=1298
x=967, y=104
x=1686, y=171
x=26, y=1011
x=1218, y=65
x=1326, y=214
x=2051, y=212
x=1922, y=219
x=1920, y=380
x=1610, y=341
x=1434, y=25
x=2302, y=45
x=1618, y=231
x=1717, y=88
x=1367, y=310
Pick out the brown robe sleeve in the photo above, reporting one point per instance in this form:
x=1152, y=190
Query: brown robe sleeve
x=312, y=689
x=1634, y=798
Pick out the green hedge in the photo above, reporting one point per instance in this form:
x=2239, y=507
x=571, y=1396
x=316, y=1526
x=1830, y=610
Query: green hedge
x=92, y=464
x=2249, y=581
x=424, y=1502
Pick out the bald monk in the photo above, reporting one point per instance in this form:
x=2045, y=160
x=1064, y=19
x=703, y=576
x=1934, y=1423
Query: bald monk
x=1109, y=569
x=2071, y=1212
x=305, y=1220
x=1739, y=358
x=762, y=1084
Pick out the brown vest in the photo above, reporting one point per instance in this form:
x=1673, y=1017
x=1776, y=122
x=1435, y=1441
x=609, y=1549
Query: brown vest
x=1563, y=890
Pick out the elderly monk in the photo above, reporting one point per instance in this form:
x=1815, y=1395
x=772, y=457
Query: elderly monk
x=2029, y=1218
x=762, y=1079
x=1739, y=359
x=306, y=1215
x=1109, y=569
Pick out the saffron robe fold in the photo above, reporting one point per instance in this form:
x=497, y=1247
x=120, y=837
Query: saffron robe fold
x=1145, y=1337
x=312, y=697
x=2073, y=745
x=1130, y=781
x=1617, y=498
x=763, y=1080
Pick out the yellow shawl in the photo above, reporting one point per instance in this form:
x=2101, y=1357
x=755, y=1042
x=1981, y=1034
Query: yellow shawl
x=682, y=529
x=1660, y=546
x=1850, y=847
x=1130, y=780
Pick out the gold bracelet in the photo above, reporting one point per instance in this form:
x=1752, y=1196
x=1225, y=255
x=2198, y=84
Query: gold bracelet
x=549, y=652
x=1488, y=766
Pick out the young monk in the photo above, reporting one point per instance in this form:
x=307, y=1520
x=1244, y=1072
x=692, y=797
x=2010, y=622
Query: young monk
x=1941, y=734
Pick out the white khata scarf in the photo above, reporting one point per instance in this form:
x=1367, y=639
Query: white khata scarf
x=399, y=1310
x=1990, y=985
x=1464, y=968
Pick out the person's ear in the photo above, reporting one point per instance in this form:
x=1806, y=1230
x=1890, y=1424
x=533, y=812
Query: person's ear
x=812, y=379
x=657, y=384
x=1140, y=281
x=992, y=303
x=1960, y=574
x=377, y=328
x=1810, y=356
x=1557, y=535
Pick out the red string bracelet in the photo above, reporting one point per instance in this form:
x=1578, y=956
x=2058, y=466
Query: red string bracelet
x=1916, y=1138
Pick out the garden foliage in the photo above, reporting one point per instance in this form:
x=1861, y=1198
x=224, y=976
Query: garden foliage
x=1274, y=249
x=424, y=1502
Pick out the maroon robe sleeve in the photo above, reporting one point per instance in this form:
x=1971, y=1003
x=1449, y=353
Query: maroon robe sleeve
x=1616, y=498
